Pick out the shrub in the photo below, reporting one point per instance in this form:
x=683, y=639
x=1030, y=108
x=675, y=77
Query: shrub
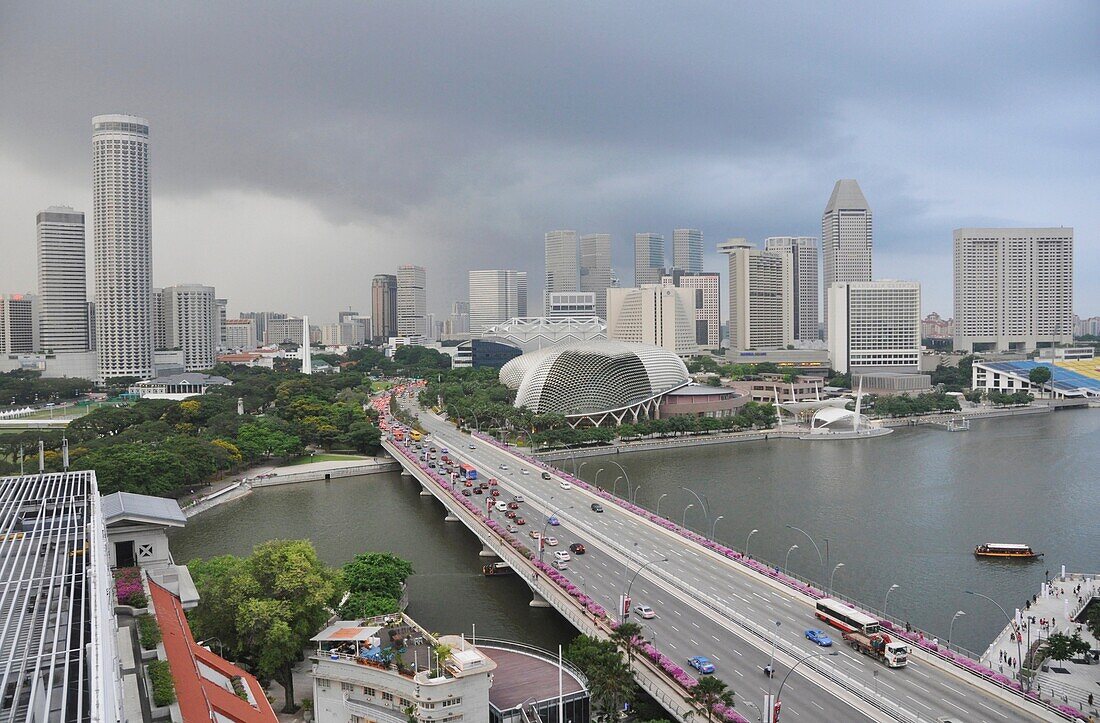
x=148, y=632
x=164, y=689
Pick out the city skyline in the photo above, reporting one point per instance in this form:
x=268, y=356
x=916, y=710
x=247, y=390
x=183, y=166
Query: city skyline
x=975, y=158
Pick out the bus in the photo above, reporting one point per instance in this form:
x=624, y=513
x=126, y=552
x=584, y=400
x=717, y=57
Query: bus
x=467, y=471
x=416, y=436
x=846, y=617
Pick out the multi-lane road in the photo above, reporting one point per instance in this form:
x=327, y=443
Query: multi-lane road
x=687, y=591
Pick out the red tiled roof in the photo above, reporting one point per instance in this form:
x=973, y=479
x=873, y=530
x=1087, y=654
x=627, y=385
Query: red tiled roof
x=199, y=698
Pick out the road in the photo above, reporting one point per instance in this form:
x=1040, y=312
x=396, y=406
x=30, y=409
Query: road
x=684, y=628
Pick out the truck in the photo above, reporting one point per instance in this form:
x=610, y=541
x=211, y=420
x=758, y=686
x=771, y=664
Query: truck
x=879, y=646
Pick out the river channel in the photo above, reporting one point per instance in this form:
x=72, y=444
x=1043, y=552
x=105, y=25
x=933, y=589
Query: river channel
x=904, y=509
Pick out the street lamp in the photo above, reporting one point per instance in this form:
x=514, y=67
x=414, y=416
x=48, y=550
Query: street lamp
x=615, y=485
x=800, y=662
x=578, y=472
x=596, y=481
x=833, y=574
x=625, y=475
x=820, y=559
x=583, y=582
x=951, y=628
x=771, y=665
x=659, y=503
x=683, y=521
x=634, y=497
x=702, y=505
x=715, y=524
x=759, y=715
x=747, y=541
x=787, y=559
x=622, y=613
x=886, y=601
x=1019, y=655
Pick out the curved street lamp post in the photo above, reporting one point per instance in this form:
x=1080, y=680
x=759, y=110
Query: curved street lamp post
x=820, y=559
x=702, y=505
x=951, y=628
x=787, y=558
x=658, y=512
x=715, y=524
x=747, y=541
x=779, y=692
x=1019, y=651
x=886, y=601
x=833, y=575
x=622, y=612
x=683, y=520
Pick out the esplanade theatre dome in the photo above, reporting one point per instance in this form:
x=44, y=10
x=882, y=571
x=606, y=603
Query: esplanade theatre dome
x=591, y=378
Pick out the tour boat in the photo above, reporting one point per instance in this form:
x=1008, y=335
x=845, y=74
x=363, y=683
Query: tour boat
x=497, y=568
x=1001, y=549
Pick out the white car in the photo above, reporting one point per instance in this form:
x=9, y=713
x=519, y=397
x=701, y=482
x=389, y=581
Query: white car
x=551, y=541
x=504, y=466
x=523, y=471
x=562, y=556
x=565, y=485
x=512, y=528
x=645, y=612
x=502, y=506
x=518, y=498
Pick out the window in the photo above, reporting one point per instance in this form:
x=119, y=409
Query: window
x=387, y=696
x=347, y=687
x=369, y=691
x=322, y=683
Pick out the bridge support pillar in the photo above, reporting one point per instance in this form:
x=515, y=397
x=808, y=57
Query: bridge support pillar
x=424, y=492
x=450, y=518
x=538, y=601
x=486, y=551
x=405, y=472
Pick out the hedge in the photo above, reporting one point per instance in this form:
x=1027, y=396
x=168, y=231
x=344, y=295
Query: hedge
x=148, y=632
x=164, y=689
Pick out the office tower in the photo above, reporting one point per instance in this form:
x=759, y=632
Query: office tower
x=874, y=326
x=383, y=310
x=159, y=332
x=62, y=281
x=804, y=302
x=653, y=314
x=761, y=296
x=343, y=333
x=687, y=250
x=223, y=309
x=562, y=263
x=123, y=248
x=1013, y=288
x=346, y=315
x=571, y=304
x=595, y=268
x=91, y=326
x=191, y=324
x=708, y=312
x=412, y=302
x=459, y=321
x=19, y=315
x=240, y=334
x=495, y=297
x=286, y=330
x=846, y=235
x=649, y=258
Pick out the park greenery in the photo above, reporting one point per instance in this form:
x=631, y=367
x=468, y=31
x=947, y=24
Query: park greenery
x=1060, y=646
x=21, y=387
x=610, y=682
x=954, y=378
x=907, y=406
x=375, y=582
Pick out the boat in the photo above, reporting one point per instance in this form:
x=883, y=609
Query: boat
x=1002, y=549
x=497, y=568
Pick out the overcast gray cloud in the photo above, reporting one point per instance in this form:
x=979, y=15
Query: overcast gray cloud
x=300, y=148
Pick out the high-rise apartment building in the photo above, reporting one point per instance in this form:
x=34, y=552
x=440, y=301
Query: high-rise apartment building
x=286, y=330
x=761, y=296
x=805, y=299
x=19, y=315
x=223, y=312
x=562, y=264
x=496, y=295
x=191, y=324
x=412, y=301
x=708, y=313
x=649, y=258
x=240, y=334
x=1013, y=288
x=459, y=321
x=846, y=236
x=260, y=319
x=383, y=295
x=62, y=280
x=687, y=250
x=653, y=314
x=123, y=246
x=596, y=269
x=874, y=326
x=159, y=332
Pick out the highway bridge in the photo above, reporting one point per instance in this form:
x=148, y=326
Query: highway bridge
x=706, y=605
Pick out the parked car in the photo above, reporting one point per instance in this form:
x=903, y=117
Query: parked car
x=562, y=556
x=597, y=507
x=702, y=664
x=819, y=637
x=577, y=548
x=565, y=485
x=645, y=612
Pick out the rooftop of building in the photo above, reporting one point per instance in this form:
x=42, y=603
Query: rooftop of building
x=142, y=508
x=524, y=672
x=701, y=390
x=194, y=379
x=1064, y=380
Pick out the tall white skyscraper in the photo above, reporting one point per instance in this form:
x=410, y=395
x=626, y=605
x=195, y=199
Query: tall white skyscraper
x=846, y=236
x=495, y=297
x=687, y=250
x=412, y=301
x=1013, y=288
x=761, y=296
x=596, y=268
x=191, y=324
x=649, y=258
x=62, y=280
x=562, y=264
x=123, y=247
x=874, y=326
x=805, y=299
x=653, y=314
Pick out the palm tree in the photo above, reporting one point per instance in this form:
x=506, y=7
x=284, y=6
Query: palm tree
x=625, y=636
x=709, y=692
x=611, y=687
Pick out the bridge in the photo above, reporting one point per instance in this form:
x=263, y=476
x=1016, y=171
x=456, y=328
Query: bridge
x=706, y=603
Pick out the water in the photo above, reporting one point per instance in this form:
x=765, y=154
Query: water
x=903, y=509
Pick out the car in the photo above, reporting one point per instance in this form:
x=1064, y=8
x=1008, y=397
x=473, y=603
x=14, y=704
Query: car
x=431, y=464
x=562, y=556
x=504, y=467
x=478, y=491
x=510, y=514
x=518, y=498
x=468, y=483
x=546, y=475
x=551, y=541
x=553, y=521
x=702, y=664
x=535, y=534
x=523, y=471
x=560, y=564
x=565, y=485
x=466, y=493
x=493, y=482
x=521, y=521
x=597, y=507
x=819, y=637
x=512, y=528
x=501, y=507
x=473, y=446
x=513, y=505
x=484, y=485
x=577, y=548
x=494, y=492
x=645, y=612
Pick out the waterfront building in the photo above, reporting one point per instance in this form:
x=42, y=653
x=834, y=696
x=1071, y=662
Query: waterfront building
x=874, y=326
x=191, y=324
x=846, y=237
x=383, y=314
x=705, y=287
x=19, y=331
x=412, y=302
x=892, y=383
x=62, y=280
x=761, y=296
x=123, y=246
x=774, y=388
x=495, y=296
x=572, y=304
x=562, y=263
x=697, y=400
x=805, y=300
x=687, y=250
x=1013, y=288
x=595, y=269
x=1014, y=376
x=653, y=314
x=538, y=332
x=649, y=258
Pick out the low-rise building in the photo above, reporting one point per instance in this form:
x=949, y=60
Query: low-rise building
x=1015, y=376
x=248, y=359
x=773, y=388
x=698, y=400
x=539, y=332
x=178, y=386
x=892, y=383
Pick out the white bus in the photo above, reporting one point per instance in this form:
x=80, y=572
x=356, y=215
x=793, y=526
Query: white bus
x=846, y=617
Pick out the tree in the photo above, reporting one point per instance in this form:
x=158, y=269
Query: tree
x=1063, y=647
x=625, y=636
x=1039, y=376
x=709, y=692
x=610, y=682
x=377, y=573
x=1093, y=621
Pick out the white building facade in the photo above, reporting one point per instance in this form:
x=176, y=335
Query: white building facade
x=846, y=236
x=687, y=250
x=761, y=297
x=496, y=295
x=874, y=326
x=653, y=314
x=240, y=334
x=62, y=280
x=708, y=309
x=805, y=297
x=412, y=301
x=570, y=304
x=18, y=323
x=1013, y=288
x=191, y=324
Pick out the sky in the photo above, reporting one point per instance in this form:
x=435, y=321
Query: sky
x=297, y=149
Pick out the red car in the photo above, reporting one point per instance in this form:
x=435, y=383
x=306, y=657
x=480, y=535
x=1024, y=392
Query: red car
x=521, y=521
x=510, y=515
x=513, y=505
x=492, y=482
x=477, y=491
x=469, y=483
x=495, y=493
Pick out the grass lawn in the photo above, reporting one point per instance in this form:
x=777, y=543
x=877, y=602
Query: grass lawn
x=327, y=457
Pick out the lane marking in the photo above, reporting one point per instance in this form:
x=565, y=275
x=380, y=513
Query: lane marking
x=922, y=705
x=992, y=710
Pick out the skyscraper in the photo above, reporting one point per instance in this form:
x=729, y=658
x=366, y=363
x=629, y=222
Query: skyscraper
x=846, y=235
x=62, y=280
x=412, y=302
x=562, y=264
x=18, y=324
x=383, y=295
x=653, y=314
x=1013, y=288
x=157, y=319
x=123, y=247
x=874, y=326
x=596, y=268
x=708, y=312
x=649, y=258
x=687, y=250
x=496, y=296
x=223, y=312
x=804, y=302
x=760, y=284
x=191, y=324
